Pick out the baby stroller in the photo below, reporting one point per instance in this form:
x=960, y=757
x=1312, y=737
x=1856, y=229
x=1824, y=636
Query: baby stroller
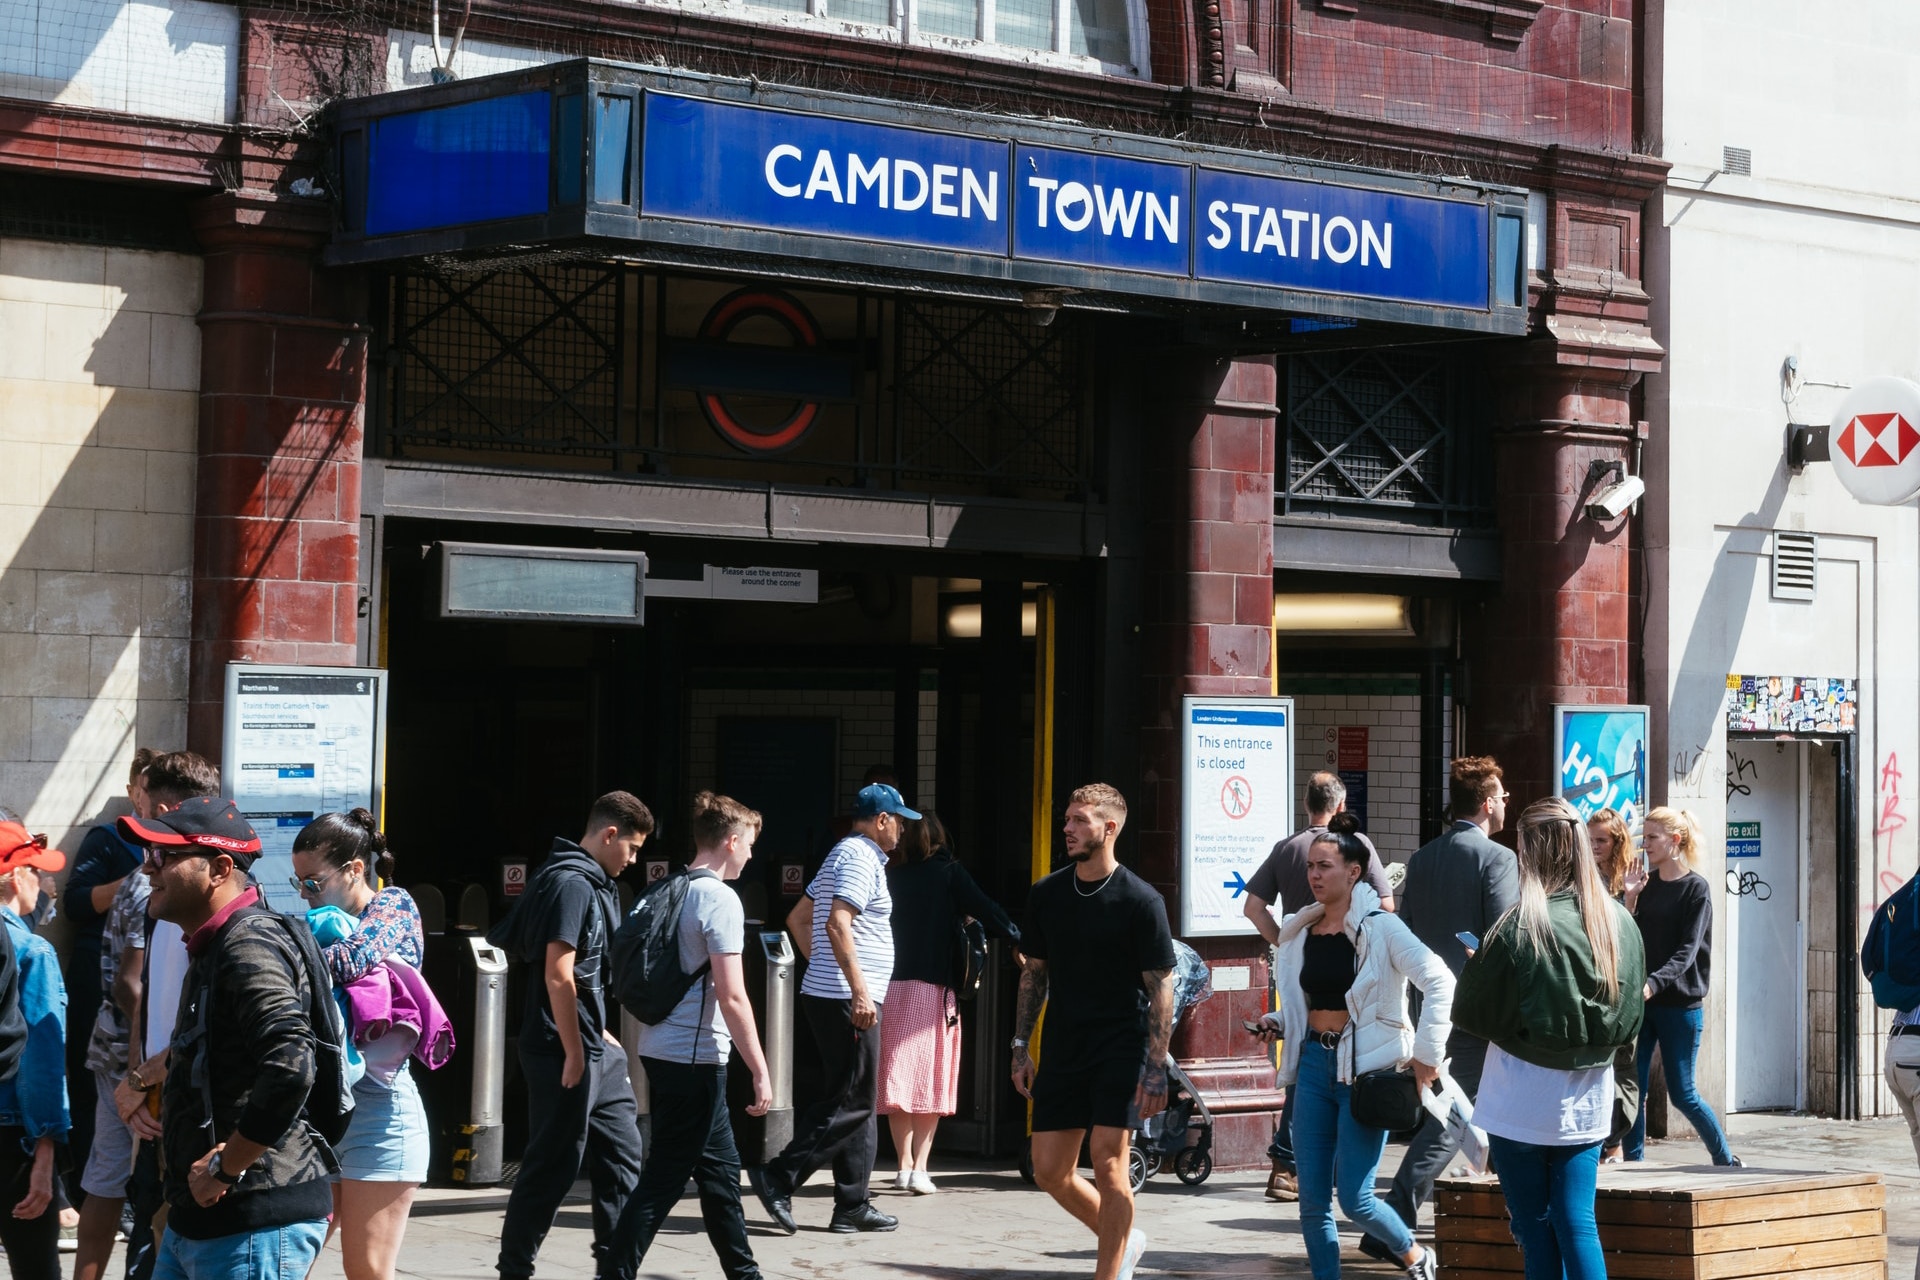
x=1181, y=1136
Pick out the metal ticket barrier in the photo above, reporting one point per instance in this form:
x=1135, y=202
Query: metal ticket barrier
x=772, y=981
x=467, y=1095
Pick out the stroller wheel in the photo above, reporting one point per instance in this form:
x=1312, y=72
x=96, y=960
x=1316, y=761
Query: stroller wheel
x=1140, y=1167
x=1192, y=1166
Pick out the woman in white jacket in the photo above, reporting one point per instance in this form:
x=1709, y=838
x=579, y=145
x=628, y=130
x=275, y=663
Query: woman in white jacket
x=1342, y=967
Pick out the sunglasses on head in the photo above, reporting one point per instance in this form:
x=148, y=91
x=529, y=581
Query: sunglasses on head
x=33, y=842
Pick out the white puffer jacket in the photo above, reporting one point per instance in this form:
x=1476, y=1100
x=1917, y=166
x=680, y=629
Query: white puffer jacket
x=1379, y=1034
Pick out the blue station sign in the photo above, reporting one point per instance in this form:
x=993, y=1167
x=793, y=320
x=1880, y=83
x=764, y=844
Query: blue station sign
x=584, y=151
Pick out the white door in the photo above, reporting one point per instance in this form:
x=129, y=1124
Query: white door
x=1757, y=911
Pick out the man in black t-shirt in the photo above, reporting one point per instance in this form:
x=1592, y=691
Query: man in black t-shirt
x=580, y=1107
x=1100, y=957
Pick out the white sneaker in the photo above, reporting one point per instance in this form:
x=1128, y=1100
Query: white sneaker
x=1130, y=1256
x=903, y=1180
x=920, y=1184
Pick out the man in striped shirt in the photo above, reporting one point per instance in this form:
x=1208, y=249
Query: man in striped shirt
x=842, y=927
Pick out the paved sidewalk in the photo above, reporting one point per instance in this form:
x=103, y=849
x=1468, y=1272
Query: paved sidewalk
x=986, y=1222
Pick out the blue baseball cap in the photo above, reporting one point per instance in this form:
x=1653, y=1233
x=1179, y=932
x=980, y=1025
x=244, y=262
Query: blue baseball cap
x=878, y=798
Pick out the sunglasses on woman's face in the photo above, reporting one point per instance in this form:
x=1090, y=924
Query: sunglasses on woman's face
x=307, y=884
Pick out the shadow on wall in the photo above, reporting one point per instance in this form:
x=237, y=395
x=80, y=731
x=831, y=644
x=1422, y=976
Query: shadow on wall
x=99, y=453
x=1700, y=679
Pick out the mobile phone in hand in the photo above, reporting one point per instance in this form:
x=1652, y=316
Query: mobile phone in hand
x=1468, y=941
x=1253, y=1028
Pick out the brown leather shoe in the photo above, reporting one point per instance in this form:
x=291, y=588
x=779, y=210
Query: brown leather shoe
x=1282, y=1186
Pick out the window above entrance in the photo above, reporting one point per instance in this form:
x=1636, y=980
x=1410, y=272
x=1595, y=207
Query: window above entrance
x=1108, y=36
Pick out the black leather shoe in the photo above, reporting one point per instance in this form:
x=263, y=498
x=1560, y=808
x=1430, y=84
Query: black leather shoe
x=779, y=1208
x=863, y=1217
x=1374, y=1247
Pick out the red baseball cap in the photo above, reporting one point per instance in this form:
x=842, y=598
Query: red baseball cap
x=18, y=849
x=210, y=822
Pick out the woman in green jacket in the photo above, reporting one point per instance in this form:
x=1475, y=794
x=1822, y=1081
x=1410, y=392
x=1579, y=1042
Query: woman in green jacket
x=1556, y=988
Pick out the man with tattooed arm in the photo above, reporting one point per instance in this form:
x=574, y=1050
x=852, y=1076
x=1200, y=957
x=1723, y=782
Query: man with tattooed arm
x=1099, y=955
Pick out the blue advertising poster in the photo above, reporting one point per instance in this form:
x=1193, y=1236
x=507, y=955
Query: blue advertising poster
x=1100, y=211
x=1602, y=754
x=472, y=162
x=777, y=171
x=1257, y=230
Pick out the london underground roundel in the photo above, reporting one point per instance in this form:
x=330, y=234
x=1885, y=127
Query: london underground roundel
x=1874, y=441
x=748, y=434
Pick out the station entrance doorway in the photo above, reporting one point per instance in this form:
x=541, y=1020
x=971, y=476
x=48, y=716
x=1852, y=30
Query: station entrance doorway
x=502, y=733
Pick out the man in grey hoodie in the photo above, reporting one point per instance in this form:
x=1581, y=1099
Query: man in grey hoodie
x=1459, y=882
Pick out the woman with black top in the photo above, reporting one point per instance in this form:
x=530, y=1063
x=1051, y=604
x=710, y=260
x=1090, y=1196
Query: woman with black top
x=920, y=1036
x=1342, y=966
x=1673, y=905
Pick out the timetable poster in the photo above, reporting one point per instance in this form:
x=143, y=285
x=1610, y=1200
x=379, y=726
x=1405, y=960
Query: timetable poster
x=300, y=742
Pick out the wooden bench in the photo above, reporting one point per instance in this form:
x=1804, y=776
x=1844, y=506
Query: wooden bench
x=1666, y=1222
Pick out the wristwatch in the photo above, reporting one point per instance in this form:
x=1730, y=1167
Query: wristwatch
x=1018, y=1044
x=213, y=1167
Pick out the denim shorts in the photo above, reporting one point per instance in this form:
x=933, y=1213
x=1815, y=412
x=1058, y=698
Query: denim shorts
x=110, y=1159
x=387, y=1138
x=273, y=1253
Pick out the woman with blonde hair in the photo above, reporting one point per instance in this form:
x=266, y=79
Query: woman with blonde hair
x=1555, y=988
x=1673, y=905
x=1613, y=850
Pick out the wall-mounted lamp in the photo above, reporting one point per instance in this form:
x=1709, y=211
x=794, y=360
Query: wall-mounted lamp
x=963, y=620
x=1332, y=613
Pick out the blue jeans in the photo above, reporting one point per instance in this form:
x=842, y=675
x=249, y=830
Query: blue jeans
x=277, y=1253
x=1333, y=1150
x=1549, y=1193
x=1677, y=1032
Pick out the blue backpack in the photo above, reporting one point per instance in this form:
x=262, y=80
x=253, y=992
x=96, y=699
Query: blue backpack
x=1891, y=953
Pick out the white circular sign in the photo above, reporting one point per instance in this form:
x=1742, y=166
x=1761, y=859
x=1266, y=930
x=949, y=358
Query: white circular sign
x=1874, y=441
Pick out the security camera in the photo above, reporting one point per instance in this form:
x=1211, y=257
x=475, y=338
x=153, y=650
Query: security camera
x=1616, y=499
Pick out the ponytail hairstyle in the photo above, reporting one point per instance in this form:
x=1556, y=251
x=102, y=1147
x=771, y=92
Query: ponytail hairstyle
x=715, y=817
x=1685, y=830
x=1343, y=833
x=339, y=838
x=1614, y=870
x=1556, y=856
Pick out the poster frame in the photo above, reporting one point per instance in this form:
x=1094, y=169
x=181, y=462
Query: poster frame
x=1561, y=710
x=230, y=707
x=1189, y=703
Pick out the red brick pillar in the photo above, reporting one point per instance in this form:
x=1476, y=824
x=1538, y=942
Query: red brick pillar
x=1207, y=629
x=282, y=393
x=1560, y=630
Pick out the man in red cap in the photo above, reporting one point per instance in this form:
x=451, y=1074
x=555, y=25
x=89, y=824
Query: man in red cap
x=245, y=1177
x=33, y=1099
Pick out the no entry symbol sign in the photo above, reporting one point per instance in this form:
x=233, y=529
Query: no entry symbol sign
x=1236, y=797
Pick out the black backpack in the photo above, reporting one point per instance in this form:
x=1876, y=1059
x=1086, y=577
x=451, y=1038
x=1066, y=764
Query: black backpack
x=330, y=1100
x=644, y=955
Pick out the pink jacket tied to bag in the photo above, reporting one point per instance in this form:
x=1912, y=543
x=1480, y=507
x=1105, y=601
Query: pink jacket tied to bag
x=394, y=999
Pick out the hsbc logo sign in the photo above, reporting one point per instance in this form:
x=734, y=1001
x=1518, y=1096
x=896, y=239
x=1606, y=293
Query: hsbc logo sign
x=1878, y=439
x=1874, y=441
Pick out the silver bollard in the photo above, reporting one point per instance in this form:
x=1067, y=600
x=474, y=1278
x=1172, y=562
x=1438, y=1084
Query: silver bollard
x=478, y=1150
x=772, y=984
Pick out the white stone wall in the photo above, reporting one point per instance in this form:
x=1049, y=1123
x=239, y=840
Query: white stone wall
x=1814, y=256
x=178, y=60
x=99, y=369
x=1393, y=753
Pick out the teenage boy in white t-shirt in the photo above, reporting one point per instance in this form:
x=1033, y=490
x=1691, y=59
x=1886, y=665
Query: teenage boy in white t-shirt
x=685, y=1056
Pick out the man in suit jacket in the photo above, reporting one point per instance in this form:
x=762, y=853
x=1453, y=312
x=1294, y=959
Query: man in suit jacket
x=1460, y=882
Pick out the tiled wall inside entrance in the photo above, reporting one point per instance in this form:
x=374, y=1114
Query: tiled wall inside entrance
x=1388, y=707
x=865, y=717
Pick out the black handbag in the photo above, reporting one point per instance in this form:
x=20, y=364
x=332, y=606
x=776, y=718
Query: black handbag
x=969, y=956
x=1386, y=1099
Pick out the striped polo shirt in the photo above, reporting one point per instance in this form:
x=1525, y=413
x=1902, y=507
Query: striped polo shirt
x=855, y=872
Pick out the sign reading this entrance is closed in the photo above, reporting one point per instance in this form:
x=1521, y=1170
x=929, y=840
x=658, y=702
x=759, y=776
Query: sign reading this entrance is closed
x=1237, y=803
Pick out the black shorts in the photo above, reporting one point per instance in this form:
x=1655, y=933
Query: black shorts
x=1082, y=1095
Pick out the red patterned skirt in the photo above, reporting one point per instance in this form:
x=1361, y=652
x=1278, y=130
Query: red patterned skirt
x=919, y=1050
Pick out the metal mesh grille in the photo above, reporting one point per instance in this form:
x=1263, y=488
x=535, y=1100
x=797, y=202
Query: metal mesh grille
x=1381, y=429
x=521, y=361
x=988, y=393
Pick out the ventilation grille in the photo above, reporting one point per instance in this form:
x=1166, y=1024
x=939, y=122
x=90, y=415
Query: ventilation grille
x=1737, y=161
x=1796, y=565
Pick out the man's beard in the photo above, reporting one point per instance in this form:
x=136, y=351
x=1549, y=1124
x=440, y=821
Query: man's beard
x=1085, y=852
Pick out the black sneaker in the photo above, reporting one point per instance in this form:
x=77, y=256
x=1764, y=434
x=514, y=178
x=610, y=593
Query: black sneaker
x=1374, y=1247
x=862, y=1217
x=1734, y=1162
x=1424, y=1266
x=778, y=1207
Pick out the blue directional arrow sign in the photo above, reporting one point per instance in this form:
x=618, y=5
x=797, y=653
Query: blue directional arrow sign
x=1238, y=884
